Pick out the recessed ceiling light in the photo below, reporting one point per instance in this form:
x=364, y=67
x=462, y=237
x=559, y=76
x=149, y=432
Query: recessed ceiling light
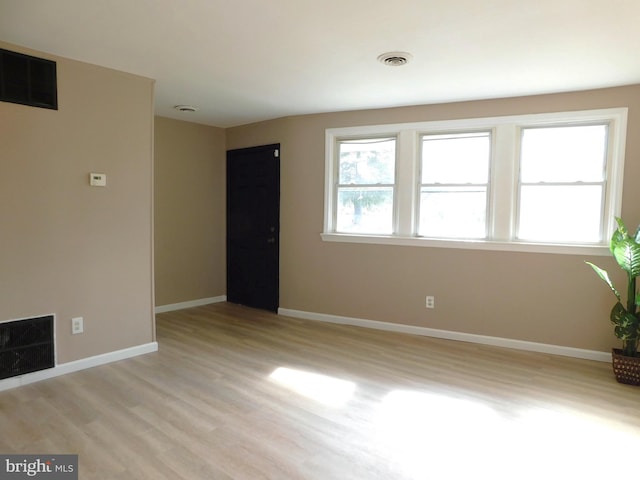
x=186, y=108
x=395, y=59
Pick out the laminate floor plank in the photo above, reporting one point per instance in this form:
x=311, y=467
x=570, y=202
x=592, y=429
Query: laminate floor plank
x=240, y=394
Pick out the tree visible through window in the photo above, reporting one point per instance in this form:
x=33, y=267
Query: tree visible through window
x=365, y=186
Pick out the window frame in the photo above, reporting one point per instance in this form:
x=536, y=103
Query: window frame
x=337, y=185
x=605, y=197
x=503, y=183
x=418, y=206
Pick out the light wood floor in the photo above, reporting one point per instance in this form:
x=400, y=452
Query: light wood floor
x=235, y=393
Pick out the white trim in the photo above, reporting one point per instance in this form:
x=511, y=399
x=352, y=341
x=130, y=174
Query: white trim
x=566, y=249
x=31, y=317
x=78, y=365
x=446, y=126
x=450, y=335
x=190, y=304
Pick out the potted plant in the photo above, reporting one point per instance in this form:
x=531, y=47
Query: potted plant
x=625, y=316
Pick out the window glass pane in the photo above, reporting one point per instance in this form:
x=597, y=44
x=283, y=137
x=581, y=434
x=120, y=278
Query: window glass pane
x=368, y=162
x=563, y=154
x=453, y=212
x=365, y=210
x=560, y=213
x=462, y=158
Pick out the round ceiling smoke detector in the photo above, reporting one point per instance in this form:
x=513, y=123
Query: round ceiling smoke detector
x=394, y=59
x=186, y=108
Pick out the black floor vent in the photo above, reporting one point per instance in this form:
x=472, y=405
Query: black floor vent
x=26, y=346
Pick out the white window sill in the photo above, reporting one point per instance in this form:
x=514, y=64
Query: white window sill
x=578, y=249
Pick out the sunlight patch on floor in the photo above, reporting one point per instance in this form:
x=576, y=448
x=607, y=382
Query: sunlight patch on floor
x=430, y=435
x=321, y=388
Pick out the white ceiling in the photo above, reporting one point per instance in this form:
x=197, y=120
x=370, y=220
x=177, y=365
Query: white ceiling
x=241, y=61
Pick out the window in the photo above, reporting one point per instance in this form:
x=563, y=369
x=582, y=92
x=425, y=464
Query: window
x=366, y=180
x=549, y=183
x=562, y=183
x=454, y=185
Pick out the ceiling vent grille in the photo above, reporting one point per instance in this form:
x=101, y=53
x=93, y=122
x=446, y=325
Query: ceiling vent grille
x=186, y=108
x=394, y=59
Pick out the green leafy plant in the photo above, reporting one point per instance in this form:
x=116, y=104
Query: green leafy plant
x=626, y=318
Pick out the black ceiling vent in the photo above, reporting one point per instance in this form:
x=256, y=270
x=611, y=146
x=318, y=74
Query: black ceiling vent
x=28, y=80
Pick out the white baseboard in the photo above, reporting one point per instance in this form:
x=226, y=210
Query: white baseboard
x=449, y=335
x=190, y=304
x=77, y=365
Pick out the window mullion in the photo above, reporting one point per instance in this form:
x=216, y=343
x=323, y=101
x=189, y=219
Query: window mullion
x=503, y=188
x=406, y=182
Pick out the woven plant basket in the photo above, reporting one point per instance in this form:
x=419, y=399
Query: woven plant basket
x=626, y=369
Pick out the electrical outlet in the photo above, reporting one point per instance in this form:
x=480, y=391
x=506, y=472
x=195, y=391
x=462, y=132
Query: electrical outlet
x=430, y=302
x=77, y=325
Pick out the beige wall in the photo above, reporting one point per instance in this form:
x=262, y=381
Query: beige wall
x=68, y=248
x=73, y=250
x=548, y=298
x=190, y=259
